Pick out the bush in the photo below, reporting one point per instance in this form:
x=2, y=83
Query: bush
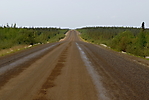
x=19, y=36
x=122, y=41
x=130, y=40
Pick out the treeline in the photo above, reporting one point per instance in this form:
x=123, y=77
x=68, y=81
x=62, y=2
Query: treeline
x=127, y=39
x=12, y=36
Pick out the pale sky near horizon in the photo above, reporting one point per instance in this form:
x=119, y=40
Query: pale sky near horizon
x=74, y=13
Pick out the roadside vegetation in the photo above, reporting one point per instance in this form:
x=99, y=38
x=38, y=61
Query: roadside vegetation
x=126, y=39
x=11, y=36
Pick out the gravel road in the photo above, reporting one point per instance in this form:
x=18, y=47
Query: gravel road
x=73, y=70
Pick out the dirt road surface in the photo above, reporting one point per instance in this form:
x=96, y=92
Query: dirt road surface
x=73, y=70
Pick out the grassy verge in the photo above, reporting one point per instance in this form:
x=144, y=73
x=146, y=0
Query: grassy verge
x=13, y=49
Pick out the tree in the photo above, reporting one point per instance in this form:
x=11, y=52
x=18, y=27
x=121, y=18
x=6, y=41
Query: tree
x=15, y=25
x=7, y=25
x=143, y=26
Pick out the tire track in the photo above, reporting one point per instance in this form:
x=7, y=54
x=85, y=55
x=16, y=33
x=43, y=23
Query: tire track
x=102, y=95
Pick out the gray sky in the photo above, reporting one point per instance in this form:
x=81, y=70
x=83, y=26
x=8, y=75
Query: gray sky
x=74, y=13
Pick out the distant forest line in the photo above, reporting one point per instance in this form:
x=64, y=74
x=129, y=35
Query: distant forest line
x=127, y=39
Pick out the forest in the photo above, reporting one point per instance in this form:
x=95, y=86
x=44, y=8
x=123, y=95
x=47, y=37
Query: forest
x=132, y=40
x=11, y=36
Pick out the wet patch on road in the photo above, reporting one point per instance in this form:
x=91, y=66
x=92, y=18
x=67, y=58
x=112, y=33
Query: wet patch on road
x=11, y=73
x=54, y=74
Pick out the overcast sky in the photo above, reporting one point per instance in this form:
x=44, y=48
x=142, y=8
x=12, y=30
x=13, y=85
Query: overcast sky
x=74, y=13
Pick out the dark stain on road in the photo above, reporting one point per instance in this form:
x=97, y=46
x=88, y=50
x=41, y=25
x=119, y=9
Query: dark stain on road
x=54, y=74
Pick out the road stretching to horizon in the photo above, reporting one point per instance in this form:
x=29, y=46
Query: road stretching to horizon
x=73, y=70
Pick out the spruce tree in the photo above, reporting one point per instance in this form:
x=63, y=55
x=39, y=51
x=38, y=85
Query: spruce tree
x=143, y=26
